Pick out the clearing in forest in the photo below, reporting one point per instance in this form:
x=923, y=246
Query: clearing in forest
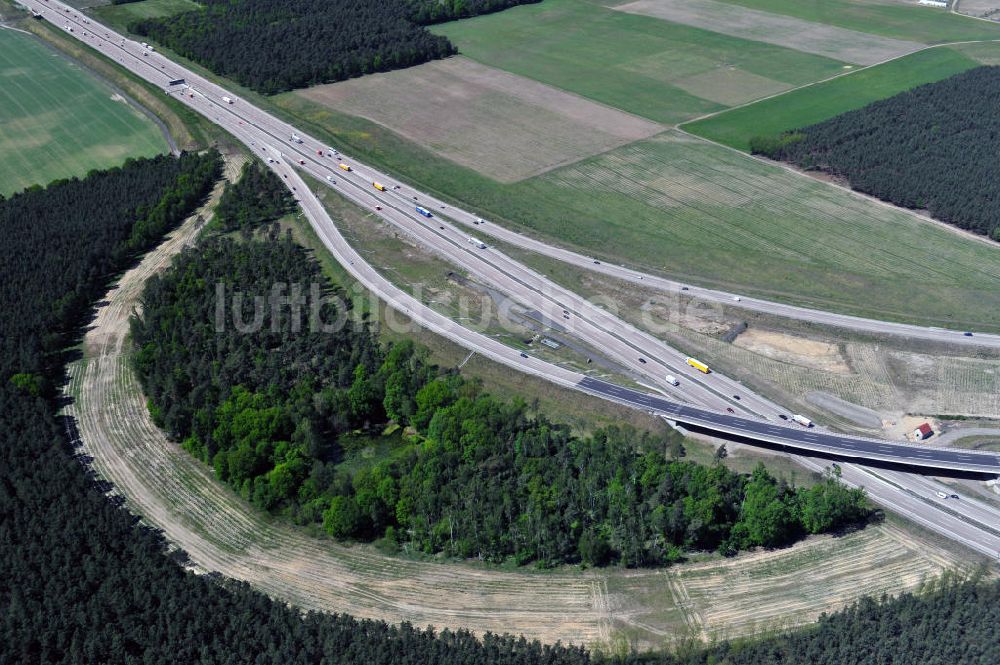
x=58, y=121
x=664, y=71
x=502, y=125
x=811, y=37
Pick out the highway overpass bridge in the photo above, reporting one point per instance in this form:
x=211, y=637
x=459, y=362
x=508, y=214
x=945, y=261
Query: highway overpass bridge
x=851, y=448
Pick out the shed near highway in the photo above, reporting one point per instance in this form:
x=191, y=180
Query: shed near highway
x=923, y=432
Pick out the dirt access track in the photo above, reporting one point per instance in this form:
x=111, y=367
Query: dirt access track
x=173, y=491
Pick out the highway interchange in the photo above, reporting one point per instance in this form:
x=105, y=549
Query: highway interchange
x=702, y=400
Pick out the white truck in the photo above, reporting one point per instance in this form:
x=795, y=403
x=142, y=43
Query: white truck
x=478, y=243
x=802, y=420
x=672, y=380
x=296, y=138
x=228, y=100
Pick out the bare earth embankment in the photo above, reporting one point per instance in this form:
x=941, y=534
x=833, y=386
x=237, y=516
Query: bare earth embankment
x=173, y=491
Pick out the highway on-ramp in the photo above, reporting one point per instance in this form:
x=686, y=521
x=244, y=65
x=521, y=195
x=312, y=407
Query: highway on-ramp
x=261, y=131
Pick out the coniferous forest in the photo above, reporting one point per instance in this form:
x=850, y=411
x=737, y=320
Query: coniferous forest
x=931, y=148
x=273, y=46
x=281, y=410
x=84, y=582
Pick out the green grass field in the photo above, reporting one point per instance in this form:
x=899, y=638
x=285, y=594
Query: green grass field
x=57, y=121
x=929, y=25
x=653, y=68
x=815, y=103
x=120, y=15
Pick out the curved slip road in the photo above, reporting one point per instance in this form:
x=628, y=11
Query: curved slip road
x=263, y=132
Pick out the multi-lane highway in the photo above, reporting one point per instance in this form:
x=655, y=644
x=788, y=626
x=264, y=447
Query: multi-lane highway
x=706, y=397
x=645, y=355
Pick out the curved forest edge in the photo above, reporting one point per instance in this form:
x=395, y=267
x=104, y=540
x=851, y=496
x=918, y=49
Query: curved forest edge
x=929, y=149
x=319, y=422
x=85, y=582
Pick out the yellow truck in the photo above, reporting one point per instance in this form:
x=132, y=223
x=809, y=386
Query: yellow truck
x=379, y=186
x=698, y=365
x=345, y=166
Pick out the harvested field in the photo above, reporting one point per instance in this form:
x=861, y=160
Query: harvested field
x=979, y=8
x=816, y=38
x=499, y=124
x=777, y=589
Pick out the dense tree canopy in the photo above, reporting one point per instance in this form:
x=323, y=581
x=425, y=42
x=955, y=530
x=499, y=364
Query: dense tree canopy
x=277, y=45
x=277, y=410
x=82, y=581
x=931, y=148
x=258, y=197
x=117, y=212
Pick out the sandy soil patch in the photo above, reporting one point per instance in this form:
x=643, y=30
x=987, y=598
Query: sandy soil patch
x=832, y=42
x=502, y=125
x=796, y=350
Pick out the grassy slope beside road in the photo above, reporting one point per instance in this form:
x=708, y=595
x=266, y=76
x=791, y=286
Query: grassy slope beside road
x=57, y=121
x=118, y=16
x=815, y=103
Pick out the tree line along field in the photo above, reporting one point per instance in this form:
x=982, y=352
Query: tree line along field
x=57, y=121
x=931, y=148
x=320, y=41
x=826, y=99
